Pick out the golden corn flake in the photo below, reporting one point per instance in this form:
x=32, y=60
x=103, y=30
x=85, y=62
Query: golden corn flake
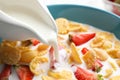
x=27, y=55
x=10, y=43
x=36, y=62
x=101, y=54
x=74, y=54
x=9, y=54
x=106, y=35
x=42, y=47
x=47, y=78
x=114, y=53
x=97, y=42
x=113, y=65
x=63, y=25
x=107, y=45
x=118, y=54
x=73, y=26
x=41, y=53
x=64, y=74
x=115, y=77
x=118, y=62
x=117, y=44
x=89, y=58
x=109, y=72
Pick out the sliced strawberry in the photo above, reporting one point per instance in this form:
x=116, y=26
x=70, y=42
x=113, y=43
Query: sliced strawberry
x=52, y=59
x=82, y=74
x=84, y=50
x=35, y=42
x=4, y=75
x=97, y=66
x=116, y=10
x=24, y=73
x=79, y=39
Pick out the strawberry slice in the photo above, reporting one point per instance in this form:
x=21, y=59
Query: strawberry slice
x=52, y=59
x=116, y=10
x=79, y=39
x=4, y=75
x=24, y=73
x=84, y=50
x=97, y=66
x=35, y=42
x=82, y=74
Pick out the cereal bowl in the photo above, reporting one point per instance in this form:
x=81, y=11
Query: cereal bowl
x=88, y=15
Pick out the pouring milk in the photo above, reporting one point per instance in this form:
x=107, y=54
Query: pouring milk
x=34, y=15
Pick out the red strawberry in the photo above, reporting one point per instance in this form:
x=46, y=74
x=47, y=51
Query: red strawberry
x=52, y=59
x=35, y=42
x=84, y=50
x=82, y=74
x=79, y=39
x=24, y=73
x=97, y=66
x=116, y=10
x=4, y=75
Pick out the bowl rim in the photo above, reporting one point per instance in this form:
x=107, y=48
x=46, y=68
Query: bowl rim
x=85, y=6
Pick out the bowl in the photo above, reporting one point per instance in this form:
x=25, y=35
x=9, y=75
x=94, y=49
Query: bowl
x=88, y=15
x=112, y=6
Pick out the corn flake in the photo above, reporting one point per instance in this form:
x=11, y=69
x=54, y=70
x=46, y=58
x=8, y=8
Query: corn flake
x=97, y=42
x=74, y=54
x=60, y=75
x=9, y=54
x=27, y=55
x=63, y=25
x=109, y=72
x=117, y=44
x=118, y=62
x=101, y=54
x=113, y=65
x=114, y=53
x=47, y=78
x=42, y=47
x=73, y=26
x=36, y=62
x=89, y=58
x=107, y=45
x=106, y=35
x=115, y=77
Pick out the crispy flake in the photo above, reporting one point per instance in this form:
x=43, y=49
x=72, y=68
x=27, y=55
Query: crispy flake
x=9, y=54
x=64, y=74
x=89, y=58
x=37, y=61
x=63, y=25
x=74, y=54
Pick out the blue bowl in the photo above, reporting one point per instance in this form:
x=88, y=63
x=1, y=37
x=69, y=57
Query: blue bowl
x=88, y=15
